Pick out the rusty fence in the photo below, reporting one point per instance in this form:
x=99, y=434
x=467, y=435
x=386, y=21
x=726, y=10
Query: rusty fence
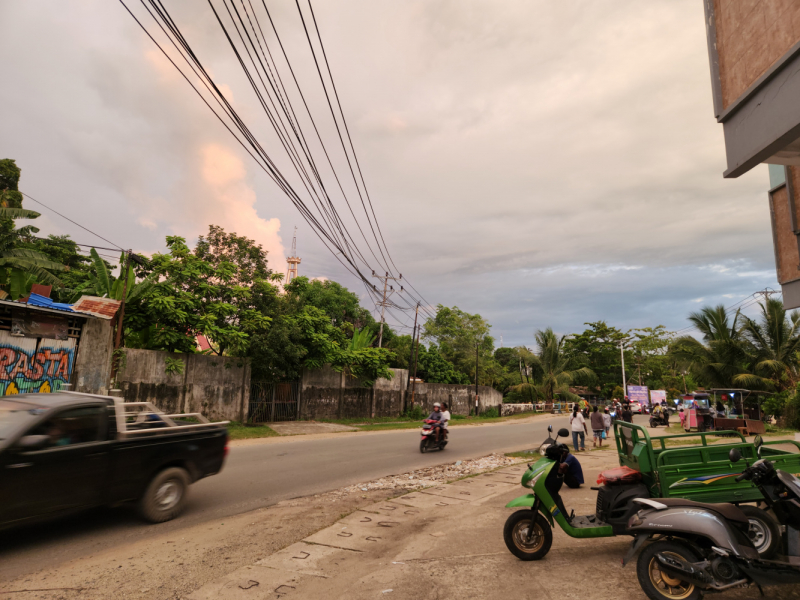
x=273, y=401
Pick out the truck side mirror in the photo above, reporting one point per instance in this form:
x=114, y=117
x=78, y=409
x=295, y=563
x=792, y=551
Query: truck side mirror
x=33, y=442
x=563, y=432
x=734, y=455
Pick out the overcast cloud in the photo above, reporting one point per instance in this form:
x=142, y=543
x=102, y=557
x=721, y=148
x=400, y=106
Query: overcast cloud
x=541, y=163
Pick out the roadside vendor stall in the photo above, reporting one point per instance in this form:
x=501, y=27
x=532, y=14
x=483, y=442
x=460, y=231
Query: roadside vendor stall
x=746, y=420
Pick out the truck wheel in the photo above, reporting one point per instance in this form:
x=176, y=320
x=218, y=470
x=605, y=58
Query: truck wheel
x=764, y=531
x=165, y=497
x=515, y=535
x=658, y=585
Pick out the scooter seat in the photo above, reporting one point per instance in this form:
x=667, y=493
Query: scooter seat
x=728, y=511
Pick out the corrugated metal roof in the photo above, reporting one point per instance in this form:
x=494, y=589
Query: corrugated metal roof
x=44, y=302
x=105, y=308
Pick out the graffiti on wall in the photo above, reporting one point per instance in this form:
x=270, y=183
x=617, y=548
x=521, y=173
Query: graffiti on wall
x=34, y=365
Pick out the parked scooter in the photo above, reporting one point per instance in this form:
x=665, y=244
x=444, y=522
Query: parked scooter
x=528, y=533
x=708, y=547
x=548, y=442
x=428, y=441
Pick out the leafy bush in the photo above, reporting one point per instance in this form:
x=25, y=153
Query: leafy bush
x=415, y=413
x=491, y=413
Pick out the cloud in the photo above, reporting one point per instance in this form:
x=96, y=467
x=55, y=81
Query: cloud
x=540, y=163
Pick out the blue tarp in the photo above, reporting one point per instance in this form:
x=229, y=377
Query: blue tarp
x=37, y=300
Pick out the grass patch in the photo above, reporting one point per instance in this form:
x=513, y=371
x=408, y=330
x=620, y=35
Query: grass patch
x=773, y=430
x=237, y=431
x=531, y=455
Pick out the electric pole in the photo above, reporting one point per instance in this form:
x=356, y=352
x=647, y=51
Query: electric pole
x=411, y=352
x=624, y=383
x=388, y=290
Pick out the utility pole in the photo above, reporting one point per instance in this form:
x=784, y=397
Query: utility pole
x=121, y=317
x=414, y=381
x=477, y=346
x=411, y=353
x=388, y=290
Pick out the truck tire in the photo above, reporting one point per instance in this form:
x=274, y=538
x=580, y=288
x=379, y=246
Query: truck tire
x=765, y=533
x=165, y=496
x=515, y=535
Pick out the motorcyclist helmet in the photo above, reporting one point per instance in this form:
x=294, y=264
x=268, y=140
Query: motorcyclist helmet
x=437, y=405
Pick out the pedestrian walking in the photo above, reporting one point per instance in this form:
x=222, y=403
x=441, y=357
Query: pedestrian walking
x=607, y=421
x=598, y=428
x=579, y=430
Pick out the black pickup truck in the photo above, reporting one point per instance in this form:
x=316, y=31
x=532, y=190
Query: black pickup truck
x=64, y=452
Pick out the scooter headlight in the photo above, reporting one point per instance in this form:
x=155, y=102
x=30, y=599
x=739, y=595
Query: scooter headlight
x=532, y=481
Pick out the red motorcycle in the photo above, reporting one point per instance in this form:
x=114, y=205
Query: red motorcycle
x=428, y=441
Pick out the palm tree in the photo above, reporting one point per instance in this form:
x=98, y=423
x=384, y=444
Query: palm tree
x=555, y=369
x=722, y=356
x=774, y=345
x=20, y=268
x=362, y=338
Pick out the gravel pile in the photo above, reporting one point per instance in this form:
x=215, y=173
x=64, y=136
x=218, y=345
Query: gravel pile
x=431, y=476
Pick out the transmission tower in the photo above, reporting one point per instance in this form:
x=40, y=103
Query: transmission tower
x=293, y=260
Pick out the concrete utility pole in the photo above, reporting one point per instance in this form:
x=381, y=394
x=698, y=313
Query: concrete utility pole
x=388, y=290
x=411, y=351
x=121, y=317
x=414, y=381
x=624, y=382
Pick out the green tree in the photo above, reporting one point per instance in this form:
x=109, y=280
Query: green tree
x=774, y=345
x=457, y=335
x=433, y=367
x=598, y=348
x=191, y=296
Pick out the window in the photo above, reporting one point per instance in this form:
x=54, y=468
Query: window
x=777, y=175
x=75, y=426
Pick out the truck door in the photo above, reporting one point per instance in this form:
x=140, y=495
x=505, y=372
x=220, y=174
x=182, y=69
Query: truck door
x=68, y=473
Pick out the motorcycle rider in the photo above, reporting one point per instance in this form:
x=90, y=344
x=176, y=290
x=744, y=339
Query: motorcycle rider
x=436, y=415
x=445, y=416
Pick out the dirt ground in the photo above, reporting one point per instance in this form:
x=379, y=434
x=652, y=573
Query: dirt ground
x=366, y=541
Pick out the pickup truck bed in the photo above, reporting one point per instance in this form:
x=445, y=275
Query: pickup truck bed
x=700, y=472
x=64, y=452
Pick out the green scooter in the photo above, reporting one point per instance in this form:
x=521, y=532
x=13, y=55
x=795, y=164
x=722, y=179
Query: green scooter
x=528, y=533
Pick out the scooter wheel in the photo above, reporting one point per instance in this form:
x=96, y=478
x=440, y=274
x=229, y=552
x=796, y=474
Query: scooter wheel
x=515, y=535
x=652, y=424
x=423, y=446
x=660, y=586
x=764, y=532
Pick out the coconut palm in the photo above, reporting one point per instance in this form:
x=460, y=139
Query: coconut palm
x=722, y=356
x=774, y=343
x=555, y=370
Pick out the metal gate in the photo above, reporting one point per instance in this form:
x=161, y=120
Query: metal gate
x=273, y=401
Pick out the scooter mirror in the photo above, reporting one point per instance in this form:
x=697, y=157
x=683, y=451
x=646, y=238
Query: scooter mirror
x=758, y=441
x=563, y=432
x=734, y=455
x=550, y=428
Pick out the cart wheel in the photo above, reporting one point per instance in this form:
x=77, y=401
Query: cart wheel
x=523, y=544
x=764, y=531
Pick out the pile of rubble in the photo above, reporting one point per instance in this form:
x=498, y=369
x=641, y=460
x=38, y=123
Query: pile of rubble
x=431, y=476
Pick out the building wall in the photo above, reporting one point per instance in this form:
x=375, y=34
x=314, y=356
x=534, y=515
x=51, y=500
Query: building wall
x=93, y=363
x=326, y=394
x=217, y=387
x=515, y=409
x=751, y=36
x=29, y=364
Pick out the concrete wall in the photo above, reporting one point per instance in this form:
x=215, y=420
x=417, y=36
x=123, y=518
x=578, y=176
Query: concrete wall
x=515, y=409
x=93, y=363
x=216, y=386
x=326, y=394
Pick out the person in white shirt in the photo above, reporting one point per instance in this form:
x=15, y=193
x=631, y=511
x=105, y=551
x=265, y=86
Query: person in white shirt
x=578, y=429
x=445, y=415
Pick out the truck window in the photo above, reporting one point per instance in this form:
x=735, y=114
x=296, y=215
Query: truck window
x=74, y=426
x=17, y=415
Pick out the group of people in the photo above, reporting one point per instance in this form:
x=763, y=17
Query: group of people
x=600, y=422
x=441, y=416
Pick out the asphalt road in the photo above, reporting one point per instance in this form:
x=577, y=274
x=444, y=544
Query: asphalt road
x=260, y=475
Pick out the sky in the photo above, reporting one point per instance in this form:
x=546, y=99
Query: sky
x=544, y=164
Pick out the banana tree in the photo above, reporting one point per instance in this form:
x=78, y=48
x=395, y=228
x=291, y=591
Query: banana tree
x=104, y=284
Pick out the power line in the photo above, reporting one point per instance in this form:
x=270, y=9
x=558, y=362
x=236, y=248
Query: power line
x=71, y=221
